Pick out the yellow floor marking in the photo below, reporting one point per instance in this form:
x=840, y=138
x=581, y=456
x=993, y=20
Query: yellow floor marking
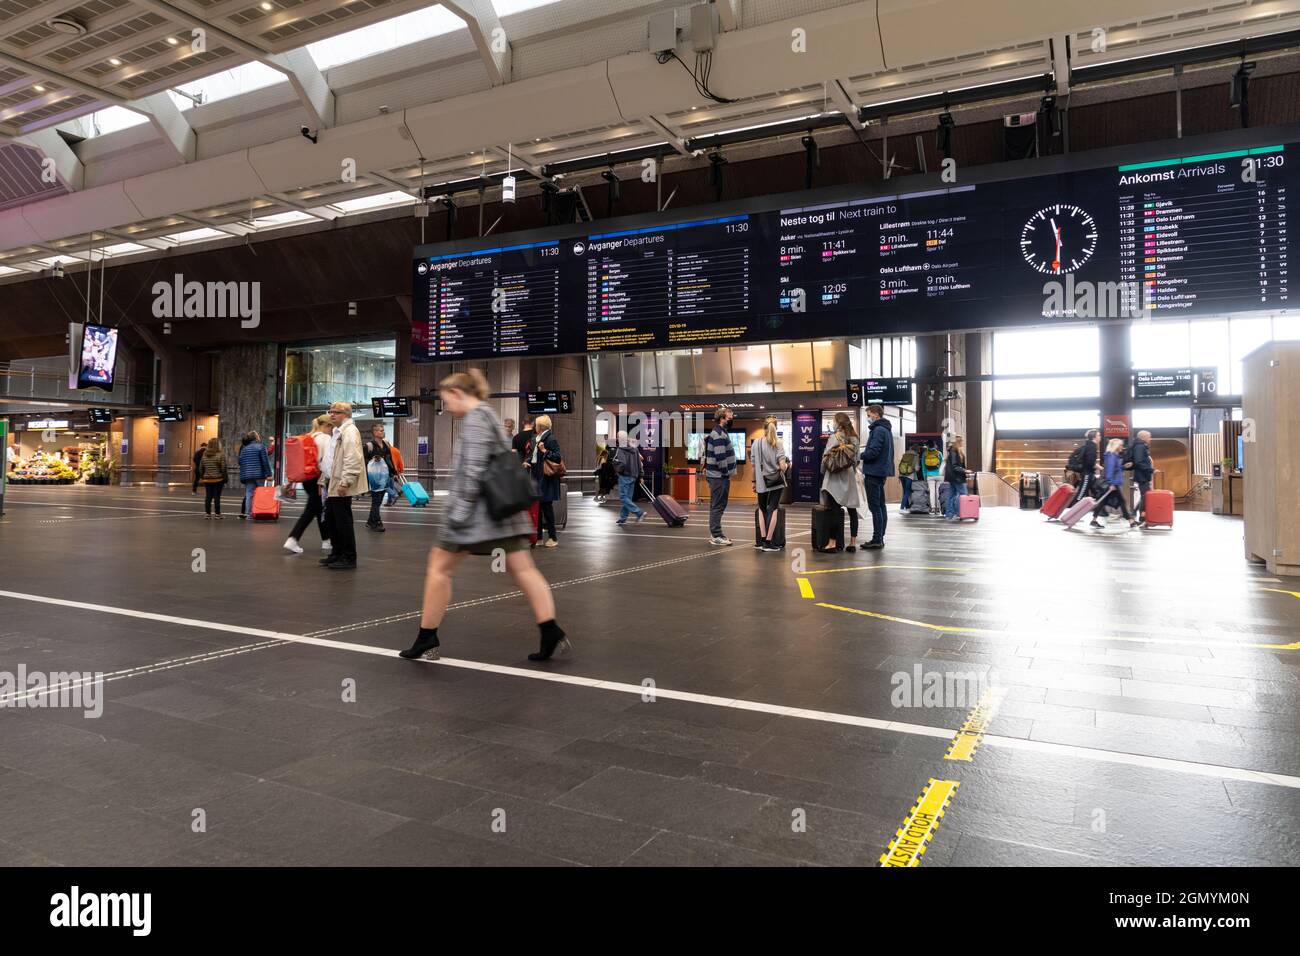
x=805, y=588
x=972, y=732
x=1294, y=594
x=885, y=567
x=909, y=843
x=1022, y=638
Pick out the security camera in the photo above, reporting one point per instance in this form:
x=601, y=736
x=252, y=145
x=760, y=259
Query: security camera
x=57, y=271
x=307, y=133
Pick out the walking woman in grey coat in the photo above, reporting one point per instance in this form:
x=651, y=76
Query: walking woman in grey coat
x=767, y=456
x=469, y=529
x=840, y=474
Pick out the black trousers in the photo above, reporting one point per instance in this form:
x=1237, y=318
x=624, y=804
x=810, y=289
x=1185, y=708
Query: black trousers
x=546, y=519
x=211, y=496
x=343, y=536
x=314, y=509
x=1085, y=486
x=1114, y=496
x=768, y=503
x=853, y=518
x=876, y=505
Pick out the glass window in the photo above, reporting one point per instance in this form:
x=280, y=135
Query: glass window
x=1247, y=335
x=1160, y=345
x=1209, y=348
x=1161, y=417
x=385, y=35
x=114, y=118
x=219, y=86
x=317, y=374
x=1286, y=327
x=507, y=7
x=1073, y=420
x=1026, y=388
x=1047, y=350
x=792, y=367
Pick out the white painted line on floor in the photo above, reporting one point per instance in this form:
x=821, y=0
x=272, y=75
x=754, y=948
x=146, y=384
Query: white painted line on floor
x=891, y=726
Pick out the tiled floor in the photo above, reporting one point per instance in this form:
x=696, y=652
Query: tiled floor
x=715, y=711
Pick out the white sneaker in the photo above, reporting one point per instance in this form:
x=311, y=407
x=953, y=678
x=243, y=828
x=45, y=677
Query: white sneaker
x=325, y=546
x=725, y=540
x=292, y=546
x=718, y=542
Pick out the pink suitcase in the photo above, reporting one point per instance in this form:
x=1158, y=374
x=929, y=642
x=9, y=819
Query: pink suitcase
x=1073, y=514
x=968, y=506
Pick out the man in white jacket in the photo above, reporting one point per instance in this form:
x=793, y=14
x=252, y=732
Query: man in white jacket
x=347, y=480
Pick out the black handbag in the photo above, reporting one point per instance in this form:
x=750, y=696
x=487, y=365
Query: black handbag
x=506, y=487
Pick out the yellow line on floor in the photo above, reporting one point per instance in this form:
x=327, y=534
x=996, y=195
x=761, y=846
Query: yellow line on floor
x=1294, y=594
x=972, y=731
x=910, y=842
x=885, y=567
x=1022, y=638
x=805, y=588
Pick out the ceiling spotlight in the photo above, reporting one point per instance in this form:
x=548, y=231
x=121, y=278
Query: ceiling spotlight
x=265, y=6
x=173, y=41
x=38, y=88
x=114, y=61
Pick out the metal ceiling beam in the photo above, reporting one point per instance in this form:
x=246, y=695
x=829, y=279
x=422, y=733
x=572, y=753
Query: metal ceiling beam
x=1231, y=50
x=673, y=135
x=171, y=124
x=488, y=35
x=839, y=92
x=66, y=163
x=518, y=158
x=325, y=212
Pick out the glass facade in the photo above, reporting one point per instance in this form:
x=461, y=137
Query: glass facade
x=319, y=373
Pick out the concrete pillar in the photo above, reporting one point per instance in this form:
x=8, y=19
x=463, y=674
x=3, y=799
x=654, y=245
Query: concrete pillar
x=978, y=348
x=1116, y=370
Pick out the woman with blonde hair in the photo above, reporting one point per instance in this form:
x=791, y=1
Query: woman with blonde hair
x=546, y=464
x=469, y=528
x=1113, y=480
x=771, y=467
x=955, y=474
x=839, y=478
x=321, y=429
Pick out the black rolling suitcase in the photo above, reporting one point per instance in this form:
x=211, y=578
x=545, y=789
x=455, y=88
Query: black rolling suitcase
x=827, y=526
x=666, y=506
x=777, y=538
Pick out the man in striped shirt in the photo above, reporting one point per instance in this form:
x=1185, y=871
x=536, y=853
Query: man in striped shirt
x=719, y=466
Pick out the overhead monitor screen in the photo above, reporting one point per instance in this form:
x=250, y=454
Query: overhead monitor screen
x=387, y=406
x=170, y=413
x=550, y=403
x=101, y=416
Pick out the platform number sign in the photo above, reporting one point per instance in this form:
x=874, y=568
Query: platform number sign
x=1207, y=384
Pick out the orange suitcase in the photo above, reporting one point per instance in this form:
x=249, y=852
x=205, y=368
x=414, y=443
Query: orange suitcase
x=1158, y=508
x=266, y=504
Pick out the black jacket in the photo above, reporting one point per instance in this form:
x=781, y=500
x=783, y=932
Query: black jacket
x=954, y=468
x=1088, y=453
x=1143, y=468
x=548, y=486
x=520, y=443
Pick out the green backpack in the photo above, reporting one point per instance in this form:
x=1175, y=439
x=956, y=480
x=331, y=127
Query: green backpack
x=907, y=464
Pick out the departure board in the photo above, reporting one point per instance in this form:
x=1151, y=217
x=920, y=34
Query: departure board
x=1194, y=235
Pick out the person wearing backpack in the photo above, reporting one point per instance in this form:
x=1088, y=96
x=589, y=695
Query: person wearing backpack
x=314, y=508
x=932, y=471
x=954, y=472
x=877, y=465
x=1083, y=463
x=470, y=528
x=547, y=467
x=907, y=466
x=839, y=482
x=1138, y=461
x=627, y=468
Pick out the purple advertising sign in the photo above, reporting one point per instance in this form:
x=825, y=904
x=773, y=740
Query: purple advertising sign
x=807, y=470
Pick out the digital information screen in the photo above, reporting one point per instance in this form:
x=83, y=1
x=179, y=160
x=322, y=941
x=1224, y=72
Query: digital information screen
x=1164, y=383
x=549, y=403
x=388, y=406
x=101, y=416
x=1191, y=235
x=169, y=413
x=98, y=357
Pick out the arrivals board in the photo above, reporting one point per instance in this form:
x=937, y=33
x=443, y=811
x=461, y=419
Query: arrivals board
x=1200, y=234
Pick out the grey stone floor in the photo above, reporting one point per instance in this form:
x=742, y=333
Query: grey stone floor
x=1123, y=661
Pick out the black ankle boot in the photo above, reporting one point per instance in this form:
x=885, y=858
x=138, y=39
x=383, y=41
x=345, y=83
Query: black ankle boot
x=552, y=637
x=426, y=645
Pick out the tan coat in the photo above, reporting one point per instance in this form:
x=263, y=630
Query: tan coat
x=348, y=464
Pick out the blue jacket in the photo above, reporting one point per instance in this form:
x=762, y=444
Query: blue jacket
x=1114, y=468
x=1143, y=468
x=254, y=465
x=548, y=488
x=878, y=453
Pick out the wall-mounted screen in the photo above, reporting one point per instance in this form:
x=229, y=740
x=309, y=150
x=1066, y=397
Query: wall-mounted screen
x=549, y=403
x=886, y=391
x=101, y=416
x=388, y=406
x=98, y=357
x=1174, y=231
x=1151, y=383
x=169, y=413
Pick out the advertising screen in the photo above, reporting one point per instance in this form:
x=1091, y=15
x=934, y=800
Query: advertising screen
x=98, y=357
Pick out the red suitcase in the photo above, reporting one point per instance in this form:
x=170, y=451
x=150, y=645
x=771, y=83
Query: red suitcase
x=968, y=506
x=532, y=519
x=266, y=505
x=1054, y=505
x=1158, y=508
x=300, y=458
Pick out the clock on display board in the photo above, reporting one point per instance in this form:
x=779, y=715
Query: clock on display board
x=1058, y=239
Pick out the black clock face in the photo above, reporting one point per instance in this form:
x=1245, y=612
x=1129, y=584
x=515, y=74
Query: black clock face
x=1058, y=239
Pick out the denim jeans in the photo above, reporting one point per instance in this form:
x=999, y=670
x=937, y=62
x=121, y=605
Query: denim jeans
x=958, y=489
x=248, y=495
x=626, y=488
